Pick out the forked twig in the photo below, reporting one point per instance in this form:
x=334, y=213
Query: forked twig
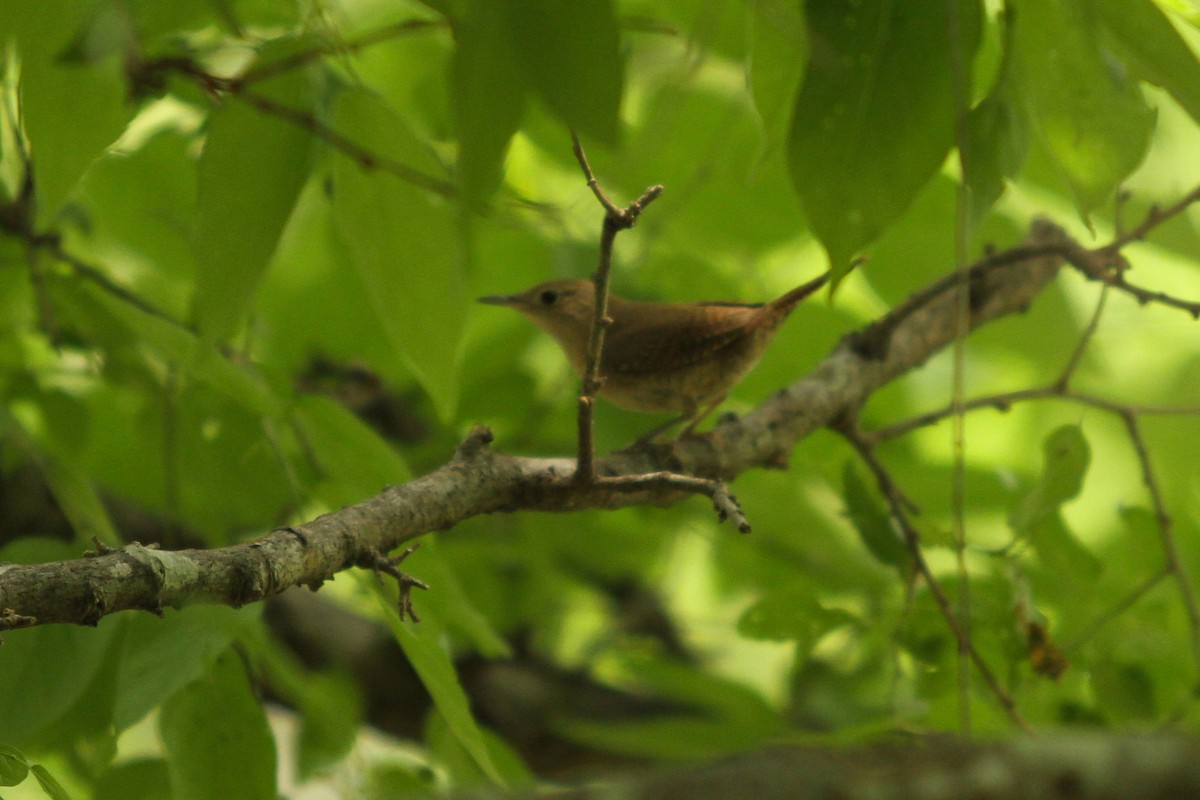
x=615, y=220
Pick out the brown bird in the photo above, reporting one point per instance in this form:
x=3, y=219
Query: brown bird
x=659, y=357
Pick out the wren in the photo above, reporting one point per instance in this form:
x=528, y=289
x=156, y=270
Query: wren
x=659, y=357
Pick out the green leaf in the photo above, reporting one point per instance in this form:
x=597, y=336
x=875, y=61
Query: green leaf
x=50, y=786
x=462, y=768
x=778, y=54
x=874, y=118
x=216, y=738
x=791, y=614
x=73, y=93
x=454, y=607
x=331, y=709
x=421, y=646
x=1083, y=105
x=997, y=138
x=1149, y=44
x=873, y=524
x=191, y=354
x=46, y=672
x=13, y=766
x=356, y=461
x=250, y=173
x=406, y=244
x=571, y=59
x=68, y=480
x=1065, y=455
x=1037, y=518
x=160, y=655
x=488, y=95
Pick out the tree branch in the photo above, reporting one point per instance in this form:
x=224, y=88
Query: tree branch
x=478, y=480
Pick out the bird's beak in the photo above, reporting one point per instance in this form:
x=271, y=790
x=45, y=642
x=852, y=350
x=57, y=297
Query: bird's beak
x=499, y=300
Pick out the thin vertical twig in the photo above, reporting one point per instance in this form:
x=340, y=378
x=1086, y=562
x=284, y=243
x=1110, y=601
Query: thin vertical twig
x=962, y=324
x=615, y=220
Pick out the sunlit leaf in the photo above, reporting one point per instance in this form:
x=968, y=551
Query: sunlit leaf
x=49, y=783
x=1084, y=106
x=1150, y=45
x=997, y=137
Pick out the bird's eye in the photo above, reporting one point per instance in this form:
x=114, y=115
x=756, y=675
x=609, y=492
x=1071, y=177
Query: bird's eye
x=548, y=297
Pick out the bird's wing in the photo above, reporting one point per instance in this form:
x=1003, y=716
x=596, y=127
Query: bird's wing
x=674, y=338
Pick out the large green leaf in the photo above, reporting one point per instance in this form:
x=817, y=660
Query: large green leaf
x=571, y=59
x=356, y=462
x=1084, y=106
x=407, y=246
x=250, y=173
x=216, y=738
x=487, y=94
x=875, y=115
x=436, y=670
x=160, y=655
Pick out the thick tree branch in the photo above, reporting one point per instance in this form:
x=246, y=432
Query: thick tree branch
x=478, y=480
x=1082, y=766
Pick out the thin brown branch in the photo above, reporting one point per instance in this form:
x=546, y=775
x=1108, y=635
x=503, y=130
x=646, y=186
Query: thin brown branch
x=1117, y=609
x=1154, y=218
x=351, y=149
x=912, y=538
x=1085, y=339
x=1166, y=534
x=615, y=221
x=724, y=503
x=264, y=71
x=1002, y=401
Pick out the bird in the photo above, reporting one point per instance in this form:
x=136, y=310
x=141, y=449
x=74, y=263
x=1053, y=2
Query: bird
x=659, y=357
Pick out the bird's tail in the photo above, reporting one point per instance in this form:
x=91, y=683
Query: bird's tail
x=788, y=301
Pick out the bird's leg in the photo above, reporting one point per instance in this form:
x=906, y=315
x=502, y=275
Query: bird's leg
x=698, y=418
x=653, y=433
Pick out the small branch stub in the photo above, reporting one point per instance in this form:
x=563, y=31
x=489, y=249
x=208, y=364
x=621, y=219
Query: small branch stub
x=389, y=565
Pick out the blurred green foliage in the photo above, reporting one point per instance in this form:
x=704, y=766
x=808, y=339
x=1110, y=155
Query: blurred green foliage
x=238, y=246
